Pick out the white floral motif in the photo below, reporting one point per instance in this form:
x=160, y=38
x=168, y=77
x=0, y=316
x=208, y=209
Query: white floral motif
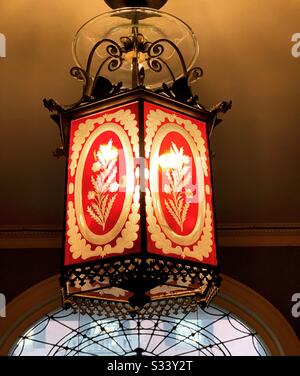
x=179, y=176
x=104, y=183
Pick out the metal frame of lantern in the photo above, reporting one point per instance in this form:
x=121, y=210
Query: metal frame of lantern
x=180, y=281
x=131, y=270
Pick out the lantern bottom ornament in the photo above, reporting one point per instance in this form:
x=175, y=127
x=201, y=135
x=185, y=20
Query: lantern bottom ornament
x=139, y=223
x=152, y=286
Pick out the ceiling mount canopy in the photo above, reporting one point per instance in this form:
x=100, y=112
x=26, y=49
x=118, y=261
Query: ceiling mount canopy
x=155, y=4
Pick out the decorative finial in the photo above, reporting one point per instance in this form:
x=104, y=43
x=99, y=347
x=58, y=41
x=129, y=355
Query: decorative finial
x=115, y=4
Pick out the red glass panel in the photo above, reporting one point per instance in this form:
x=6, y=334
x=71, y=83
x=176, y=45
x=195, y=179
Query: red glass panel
x=102, y=213
x=179, y=208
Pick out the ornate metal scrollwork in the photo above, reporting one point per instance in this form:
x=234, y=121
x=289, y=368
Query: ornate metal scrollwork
x=194, y=74
x=97, y=86
x=156, y=50
x=135, y=44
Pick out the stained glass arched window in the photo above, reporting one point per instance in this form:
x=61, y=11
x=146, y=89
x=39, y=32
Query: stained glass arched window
x=208, y=332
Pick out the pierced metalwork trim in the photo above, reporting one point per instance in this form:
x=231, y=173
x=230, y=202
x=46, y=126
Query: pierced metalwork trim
x=197, y=283
x=181, y=305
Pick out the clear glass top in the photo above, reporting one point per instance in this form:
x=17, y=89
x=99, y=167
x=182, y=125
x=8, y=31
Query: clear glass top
x=161, y=64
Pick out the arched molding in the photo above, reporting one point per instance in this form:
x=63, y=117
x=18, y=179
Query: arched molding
x=259, y=314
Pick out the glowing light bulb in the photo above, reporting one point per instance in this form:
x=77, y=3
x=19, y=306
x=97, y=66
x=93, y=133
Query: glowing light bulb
x=131, y=54
x=167, y=161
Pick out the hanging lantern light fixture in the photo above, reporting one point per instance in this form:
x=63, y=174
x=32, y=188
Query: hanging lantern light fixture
x=139, y=223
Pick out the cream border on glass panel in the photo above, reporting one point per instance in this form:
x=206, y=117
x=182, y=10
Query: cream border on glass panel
x=124, y=117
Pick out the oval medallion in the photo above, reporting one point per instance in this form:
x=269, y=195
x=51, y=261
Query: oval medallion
x=104, y=184
x=177, y=184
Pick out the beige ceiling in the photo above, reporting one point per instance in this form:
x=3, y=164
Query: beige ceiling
x=245, y=51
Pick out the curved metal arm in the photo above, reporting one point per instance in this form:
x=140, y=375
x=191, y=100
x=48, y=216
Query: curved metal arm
x=114, y=50
x=156, y=49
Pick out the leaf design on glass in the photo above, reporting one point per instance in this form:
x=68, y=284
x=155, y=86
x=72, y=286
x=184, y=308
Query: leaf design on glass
x=179, y=177
x=104, y=185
